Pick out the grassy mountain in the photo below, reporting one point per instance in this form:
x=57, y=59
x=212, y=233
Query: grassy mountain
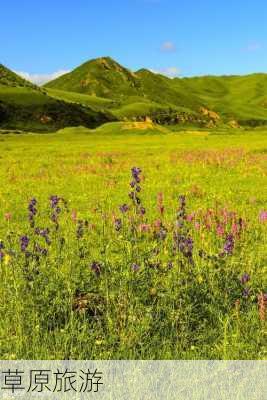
x=25, y=106
x=135, y=94
x=10, y=79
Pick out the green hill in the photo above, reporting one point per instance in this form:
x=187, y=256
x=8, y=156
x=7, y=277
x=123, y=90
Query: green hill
x=203, y=100
x=25, y=106
x=10, y=79
x=101, y=90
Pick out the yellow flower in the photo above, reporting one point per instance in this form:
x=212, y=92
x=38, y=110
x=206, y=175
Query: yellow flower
x=7, y=259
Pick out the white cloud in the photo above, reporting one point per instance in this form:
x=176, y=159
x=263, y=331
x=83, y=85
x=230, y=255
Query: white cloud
x=168, y=47
x=41, y=79
x=170, y=72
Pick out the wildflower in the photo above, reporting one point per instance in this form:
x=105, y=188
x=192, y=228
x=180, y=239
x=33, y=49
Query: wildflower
x=244, y=278
x=263, y=216
x=2, y=246
x=197, y=225
x=7, y=216
x=142, y=211
x=24, y=243
x=135, y=267
x=124, y=208
x=80, y=231
x=235, y=228
x=160, y=203
x=118, y=224
x=161, y=233
x=184, y=244
x=74, y=215
x=229, y=245
x=43, y=233
x=170, y=265
x=96, y=267
x=220, y=230
x=190, y=217
x=40, y=250
x=246, y=292
x=144, y=227
x=2, y=255
x=135, y=174
x=7, y=259
x=181, y=213
x=54, y=200
x=32, y=211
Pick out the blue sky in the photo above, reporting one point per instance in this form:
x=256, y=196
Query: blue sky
x=42, y=38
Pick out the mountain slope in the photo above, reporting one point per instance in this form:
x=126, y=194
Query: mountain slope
x=10, y=79
x=25, y=106
x=240, y=98
x=101, y=77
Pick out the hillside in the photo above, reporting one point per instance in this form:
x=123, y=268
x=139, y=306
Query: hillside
x=203, y=100
x=25, y=106
x=10, y=79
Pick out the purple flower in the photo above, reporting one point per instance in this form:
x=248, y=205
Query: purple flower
x=181, y=214
x=2, y=246
x=24, y=243
x=124, y=208
x=80, y=231
x=161, y=234
x=54, y=200
x=142, y=210
x=244, y=278
x=170, y=265
x=40, y=250
x=229, y=245
x=1, y=255
x=135, y=174
x=117, y=224
x=246, y=292
x=135, y=267
x=96, y=267
x=184, y=244
x=32, y=211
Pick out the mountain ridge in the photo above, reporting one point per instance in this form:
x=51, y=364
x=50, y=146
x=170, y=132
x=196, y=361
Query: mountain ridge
x=234, y=97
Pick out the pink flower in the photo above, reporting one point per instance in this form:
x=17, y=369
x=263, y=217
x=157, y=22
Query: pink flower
x=220, y=230
x=144, y=227
x=7, y=216
x=74, y=215
x=197, y=225
x=190, y=217
x=157, y=223
x=160, y=203
x=263, y=216
x=235, y=228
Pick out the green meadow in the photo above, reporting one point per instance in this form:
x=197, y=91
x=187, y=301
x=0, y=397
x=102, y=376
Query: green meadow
x=179, y=273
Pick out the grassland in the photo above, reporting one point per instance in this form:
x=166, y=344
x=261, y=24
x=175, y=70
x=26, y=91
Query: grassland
x=184, y=279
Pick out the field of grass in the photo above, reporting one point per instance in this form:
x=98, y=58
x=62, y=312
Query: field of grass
x=176, y=270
